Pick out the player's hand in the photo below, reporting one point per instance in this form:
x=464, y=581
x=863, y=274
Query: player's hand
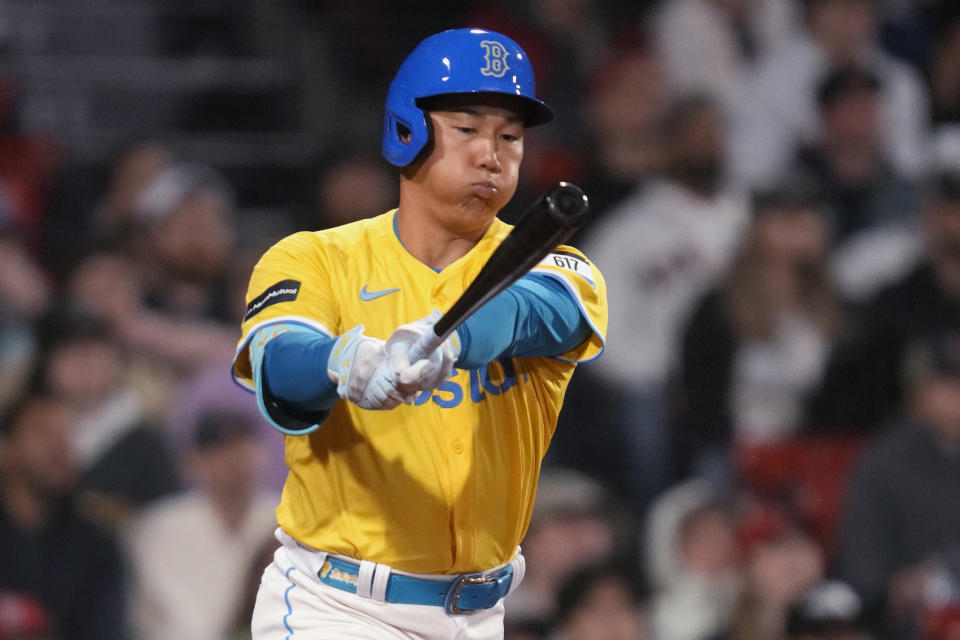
x=363, y=372
x=429, y=372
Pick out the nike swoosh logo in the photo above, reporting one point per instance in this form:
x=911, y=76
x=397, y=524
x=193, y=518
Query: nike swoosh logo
x=373, y=295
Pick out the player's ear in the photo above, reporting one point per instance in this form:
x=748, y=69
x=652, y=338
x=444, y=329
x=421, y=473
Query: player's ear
x=403, y=133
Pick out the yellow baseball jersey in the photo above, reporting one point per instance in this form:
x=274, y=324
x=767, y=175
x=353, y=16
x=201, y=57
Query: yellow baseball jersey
x=446, y=484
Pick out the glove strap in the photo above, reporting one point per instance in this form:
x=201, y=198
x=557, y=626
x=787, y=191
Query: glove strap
x=341, y=358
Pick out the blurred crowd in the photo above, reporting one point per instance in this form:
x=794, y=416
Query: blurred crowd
x=769, y=448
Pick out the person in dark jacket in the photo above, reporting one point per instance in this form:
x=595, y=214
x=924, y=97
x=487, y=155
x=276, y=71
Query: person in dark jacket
x=900, y=526
x=50, y=551
x=862, y=387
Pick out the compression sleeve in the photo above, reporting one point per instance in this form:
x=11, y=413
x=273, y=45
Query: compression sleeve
x=293, y=389
x=295, y=367
x=546, y=321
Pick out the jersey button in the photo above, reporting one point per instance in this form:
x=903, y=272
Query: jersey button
x=458, y=446
x=440, y=298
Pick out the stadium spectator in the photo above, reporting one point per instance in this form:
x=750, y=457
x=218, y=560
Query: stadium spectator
x=239, y=627
x=872, y=207
x=209, y=391
x=602, y=603
x=693, y=562
x=354, y=188
x=191, y=552
x=862, y=384
x=572, y=526
x=75, y=227
x=708, y=45
x=829, y=610
x=624, y=107
x=25, y=295
x=29, y=163
x=23, y=618
x=110, y=285
x=846, y=160
x=24, y=288
x=660, y=250
x=49, y=549
x=134, y=169
x=777, y=105
x=186, y=216
x=899, y=518
x=757, y=343
x=943, y=67
x=123, y=458
x=781, y=561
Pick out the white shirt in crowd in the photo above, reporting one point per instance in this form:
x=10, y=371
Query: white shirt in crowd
x=777, y=108
x=659, y=250
x=190, y=572
x=771, y=378
x=698, y=44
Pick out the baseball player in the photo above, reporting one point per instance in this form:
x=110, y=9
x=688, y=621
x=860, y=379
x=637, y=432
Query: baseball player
x=411, y=483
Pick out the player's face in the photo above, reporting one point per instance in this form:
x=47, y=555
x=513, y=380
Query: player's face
x=472, y=170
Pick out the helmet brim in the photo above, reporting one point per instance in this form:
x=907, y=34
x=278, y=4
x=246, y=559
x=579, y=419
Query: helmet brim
x=534, y=112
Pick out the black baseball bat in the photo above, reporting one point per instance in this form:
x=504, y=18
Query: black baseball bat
x=548, y=222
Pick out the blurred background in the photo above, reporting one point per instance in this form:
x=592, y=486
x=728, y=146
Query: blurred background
x=770, y=446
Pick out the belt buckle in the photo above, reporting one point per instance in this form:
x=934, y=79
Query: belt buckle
x=453, y=592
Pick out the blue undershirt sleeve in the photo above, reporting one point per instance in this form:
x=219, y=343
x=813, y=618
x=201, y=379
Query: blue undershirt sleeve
x=294, y=391
x=295, y=367
x=535, y=316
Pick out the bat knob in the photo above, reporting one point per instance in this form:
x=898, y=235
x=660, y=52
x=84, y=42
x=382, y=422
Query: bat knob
x=569, y=201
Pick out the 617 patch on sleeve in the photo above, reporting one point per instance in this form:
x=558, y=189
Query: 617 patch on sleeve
x=570, y=262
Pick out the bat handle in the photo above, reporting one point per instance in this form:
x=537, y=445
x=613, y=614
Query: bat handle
x=424, y=346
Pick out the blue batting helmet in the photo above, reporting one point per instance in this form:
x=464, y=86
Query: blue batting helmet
x=457, y=61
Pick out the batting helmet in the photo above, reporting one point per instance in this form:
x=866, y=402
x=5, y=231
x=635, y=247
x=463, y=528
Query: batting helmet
x=458, y=61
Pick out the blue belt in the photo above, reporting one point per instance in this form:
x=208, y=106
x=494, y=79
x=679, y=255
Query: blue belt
x=461, y=594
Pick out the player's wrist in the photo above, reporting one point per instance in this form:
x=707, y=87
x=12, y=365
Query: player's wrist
x=342, y=355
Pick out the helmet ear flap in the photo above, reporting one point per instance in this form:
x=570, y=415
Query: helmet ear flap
x=407, y=142
x=396, y=130
x=405, y=133
x=427, y=148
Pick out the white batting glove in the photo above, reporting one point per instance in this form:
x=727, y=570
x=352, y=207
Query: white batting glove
x=429, y=372
x=363, y=372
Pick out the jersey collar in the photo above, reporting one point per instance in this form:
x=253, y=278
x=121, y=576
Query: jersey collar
x=496, y=228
